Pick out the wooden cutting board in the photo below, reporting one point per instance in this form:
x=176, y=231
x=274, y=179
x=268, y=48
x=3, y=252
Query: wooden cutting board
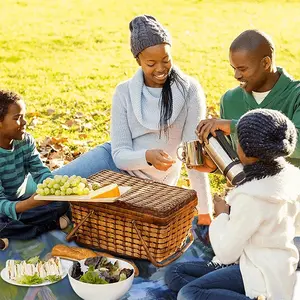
x=85, y=198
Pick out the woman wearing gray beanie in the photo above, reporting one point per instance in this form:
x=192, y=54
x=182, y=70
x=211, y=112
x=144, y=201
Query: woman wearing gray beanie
x=152, y=114
x=255, y=254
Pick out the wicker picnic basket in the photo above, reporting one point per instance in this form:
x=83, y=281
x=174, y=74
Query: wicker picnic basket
x=150, y=221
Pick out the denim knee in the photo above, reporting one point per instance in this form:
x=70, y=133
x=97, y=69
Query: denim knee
x=60, y=207
x=173, y=279
x=184, y=294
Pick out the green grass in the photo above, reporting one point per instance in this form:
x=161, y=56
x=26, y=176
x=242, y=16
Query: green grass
x=69, y=55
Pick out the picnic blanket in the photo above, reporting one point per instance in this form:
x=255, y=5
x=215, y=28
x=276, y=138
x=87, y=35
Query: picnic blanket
x=148, y=286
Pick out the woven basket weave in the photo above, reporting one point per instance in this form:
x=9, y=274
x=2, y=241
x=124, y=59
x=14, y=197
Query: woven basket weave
x=151, y=221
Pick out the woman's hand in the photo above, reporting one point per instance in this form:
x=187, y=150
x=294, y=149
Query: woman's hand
x=159, y=159
x=205, y=127
x=220, y=206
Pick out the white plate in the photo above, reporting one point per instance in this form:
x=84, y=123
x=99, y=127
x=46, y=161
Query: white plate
x=65, y=265
x=86, y=198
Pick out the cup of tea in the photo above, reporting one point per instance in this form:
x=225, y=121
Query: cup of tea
x=192, y=153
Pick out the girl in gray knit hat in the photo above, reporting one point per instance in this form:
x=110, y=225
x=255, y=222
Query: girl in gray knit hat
x=152, y=114
x=253, y=241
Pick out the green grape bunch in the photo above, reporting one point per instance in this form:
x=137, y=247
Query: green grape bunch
x=63, y=186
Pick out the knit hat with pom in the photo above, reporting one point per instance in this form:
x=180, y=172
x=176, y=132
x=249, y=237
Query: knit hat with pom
x=146, y=31
x=266, y=134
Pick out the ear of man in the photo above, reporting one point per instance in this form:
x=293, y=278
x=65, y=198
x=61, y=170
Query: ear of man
x=267, y=62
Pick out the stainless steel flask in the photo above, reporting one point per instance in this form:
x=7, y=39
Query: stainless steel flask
x=226, y=159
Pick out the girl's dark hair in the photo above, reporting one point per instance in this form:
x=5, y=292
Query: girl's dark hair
x=166, y=99
x=6, y=99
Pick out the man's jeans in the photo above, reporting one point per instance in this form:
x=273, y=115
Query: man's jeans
x=209, y=281
x=33, y=222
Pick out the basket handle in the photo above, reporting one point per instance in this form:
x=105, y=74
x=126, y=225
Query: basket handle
x=168, y=260
x=74, y=230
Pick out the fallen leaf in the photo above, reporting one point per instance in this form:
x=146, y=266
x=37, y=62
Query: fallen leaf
x=83, y=135
x=88, y=126
x=33, y=123
x=77, y=121
x=69, y=123
x=50, y=111
x=78, y=115
x=55, y=163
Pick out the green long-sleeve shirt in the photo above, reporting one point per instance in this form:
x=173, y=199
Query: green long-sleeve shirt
x=284, y=96
x=15, y=165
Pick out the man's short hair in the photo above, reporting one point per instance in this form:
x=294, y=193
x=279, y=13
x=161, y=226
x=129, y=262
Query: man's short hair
x=252, y=40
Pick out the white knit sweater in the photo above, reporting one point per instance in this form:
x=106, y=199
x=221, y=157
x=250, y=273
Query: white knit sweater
x=259, y=233
x=135, y=129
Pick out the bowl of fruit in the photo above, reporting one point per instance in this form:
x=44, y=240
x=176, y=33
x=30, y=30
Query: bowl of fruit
x=76, y=188
x=109, y=277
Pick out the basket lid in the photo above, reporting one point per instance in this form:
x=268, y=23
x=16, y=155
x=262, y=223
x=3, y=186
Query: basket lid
x=146, y=196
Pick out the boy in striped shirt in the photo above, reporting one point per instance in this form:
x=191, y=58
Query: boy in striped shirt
x=22, y=217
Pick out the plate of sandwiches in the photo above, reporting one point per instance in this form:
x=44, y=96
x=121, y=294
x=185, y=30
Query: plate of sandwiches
x=34, y=271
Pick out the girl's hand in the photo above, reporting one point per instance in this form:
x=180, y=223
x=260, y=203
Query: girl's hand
x=220, y=206
x=159, y=159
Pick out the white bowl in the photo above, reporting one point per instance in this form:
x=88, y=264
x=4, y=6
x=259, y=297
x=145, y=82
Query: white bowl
x=110, y=291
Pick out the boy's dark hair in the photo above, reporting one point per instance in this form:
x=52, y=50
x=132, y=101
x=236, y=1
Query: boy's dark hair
x=6, y=99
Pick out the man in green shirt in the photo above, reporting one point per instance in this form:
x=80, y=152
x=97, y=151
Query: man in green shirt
x=262, y=85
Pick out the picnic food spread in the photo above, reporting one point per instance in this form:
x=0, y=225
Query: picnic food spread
x=100, y=271
x=76, y=185
x=34, y=271
x=77, y=253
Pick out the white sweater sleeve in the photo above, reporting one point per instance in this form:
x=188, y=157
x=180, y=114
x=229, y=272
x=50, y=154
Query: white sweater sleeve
x=229, y=234
x=123, y=154
x=196, y=111
x=297, y=225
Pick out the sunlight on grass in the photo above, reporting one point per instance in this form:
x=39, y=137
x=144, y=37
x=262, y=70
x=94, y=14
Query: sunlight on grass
x=69, y=55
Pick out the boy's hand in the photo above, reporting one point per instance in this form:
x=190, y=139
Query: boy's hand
x=159, y=159
x=29, y=204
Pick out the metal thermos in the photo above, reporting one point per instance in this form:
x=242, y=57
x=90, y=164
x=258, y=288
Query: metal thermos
x=226, y=159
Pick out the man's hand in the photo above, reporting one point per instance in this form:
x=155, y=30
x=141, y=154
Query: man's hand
x=208, y=164
x=220, y=206
x=205, y=127
x=30, y=203
x=159, y=159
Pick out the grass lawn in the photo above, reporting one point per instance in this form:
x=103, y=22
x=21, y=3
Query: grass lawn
x=66, y=56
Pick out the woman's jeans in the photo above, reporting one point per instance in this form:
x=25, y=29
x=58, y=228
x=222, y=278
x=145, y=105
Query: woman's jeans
x=206, y=281
x=94, y=161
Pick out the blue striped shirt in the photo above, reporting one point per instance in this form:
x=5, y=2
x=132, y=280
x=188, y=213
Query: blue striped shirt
x=15, y=165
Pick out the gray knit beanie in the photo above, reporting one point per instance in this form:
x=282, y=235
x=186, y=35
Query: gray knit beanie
x=266, y=134
x=146, y=32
